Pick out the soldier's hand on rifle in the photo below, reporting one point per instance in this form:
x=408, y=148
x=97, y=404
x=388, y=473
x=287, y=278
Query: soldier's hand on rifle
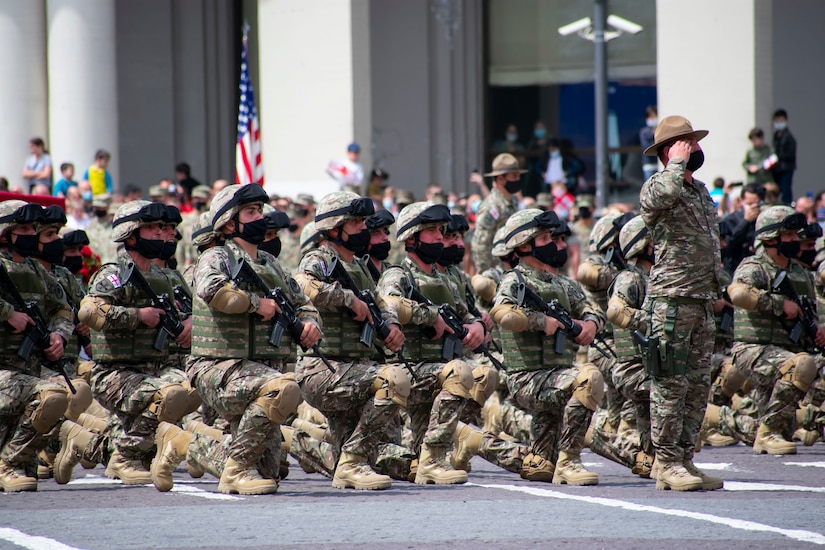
x=184, y=339
x=487, y=320
x=83, y=329
x=721, y=304
x=55, y=349
x=360, y=310
x=268, y=308
x=19, y=321
x=150, y=316
x=820, y=337
x=588, y=333
x=310, y=335
x=791, y=309
x=440, y=328
x=395, y=339
x=475, y=335
x=551, y=325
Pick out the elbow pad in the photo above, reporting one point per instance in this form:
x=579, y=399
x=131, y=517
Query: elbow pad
x=92, y=312
x=744, y=296
x=229, y=299
x=485, y=287
x=403, y=307
x=619, y=313
x=509, y=317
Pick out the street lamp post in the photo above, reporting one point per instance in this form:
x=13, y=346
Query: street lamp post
x=600, y=88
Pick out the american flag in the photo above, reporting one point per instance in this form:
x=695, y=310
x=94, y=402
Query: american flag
x=248, y=165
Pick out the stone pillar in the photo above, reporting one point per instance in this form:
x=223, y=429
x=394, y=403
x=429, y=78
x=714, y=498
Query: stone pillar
x=23, y=94
x=83, y=114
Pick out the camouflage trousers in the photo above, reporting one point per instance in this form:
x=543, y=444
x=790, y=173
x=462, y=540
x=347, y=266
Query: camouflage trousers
x=633, y=383
x=355, y=416
x=230, y=387
x=19, y=440
x=613, y=399
x=738, y=424
x=776, y=399
x=559, y=421
x=503, y=452
x=678, y=402
x=620, y=448
x=433, y=412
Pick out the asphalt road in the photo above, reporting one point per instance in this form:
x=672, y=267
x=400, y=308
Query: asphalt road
x=768, y=502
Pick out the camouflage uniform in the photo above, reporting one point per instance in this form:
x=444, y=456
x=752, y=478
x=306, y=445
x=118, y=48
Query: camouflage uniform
x=99, y=231
x=494, y=211
x=682, y=287
x=291, y=253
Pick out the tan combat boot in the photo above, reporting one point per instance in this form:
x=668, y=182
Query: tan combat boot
x=314, y=430
x=130, y=472
x=237, y=479
x=709, y=483
x=434, y=468
x=413, y=470
x=13, y=480
x=643, y=466
x=673, y=475
x=571, y=471
x=491, y=414
x=768, y=441
x=173, y=446
x=537, y=468
x=466, y=441
x=807, y=437
x=91, y=423
x=353, y=472
x=74, y=439
x=45, y=464
x=709, y=433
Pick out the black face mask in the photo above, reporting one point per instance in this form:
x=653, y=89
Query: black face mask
x=273, y=246
x=807, y=257
x=73, y=264
x=253, y=232
x=788, y=249
x=549, y=254
x=356, y=242
x=451, y=255
x=25, y=245
x=301, y=213
x=585, y=213
x=513, y=186
x=100, y=214
x=512, y=259
x=696, y=160
x=172, y=263
x=380, y=251
x=199, y=206
x=169, y=249
x=151, y=249
x=428, y=252
x=645, y=256
x=52, y=252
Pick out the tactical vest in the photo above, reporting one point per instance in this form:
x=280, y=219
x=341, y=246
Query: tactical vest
x=418, y=345
x=763, y=327
x=600, y=296
x=126, y=345
x=624, y=345
x=220, y=335
x=64, y=277
x=532, y=350
x=341, y=333
x=32, y=289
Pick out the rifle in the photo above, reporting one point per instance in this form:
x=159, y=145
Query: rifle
x=806, y=323
x=452, y=342
x=183, y=298
x=554, y=309
x=240, y=270
x=37, y=334
x=726, y=317
x=378, y=326
x=473, y=309
x=170, y=323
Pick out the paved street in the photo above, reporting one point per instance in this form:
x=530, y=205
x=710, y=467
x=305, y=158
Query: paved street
x=768, y=502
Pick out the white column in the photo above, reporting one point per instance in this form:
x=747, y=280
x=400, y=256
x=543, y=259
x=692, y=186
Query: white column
x=83, y=113
x=23, y=78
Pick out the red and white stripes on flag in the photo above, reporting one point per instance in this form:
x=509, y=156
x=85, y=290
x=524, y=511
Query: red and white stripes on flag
x=248, y=165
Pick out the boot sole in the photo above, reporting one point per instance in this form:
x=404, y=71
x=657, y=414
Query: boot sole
x=232, y=491
x=27, y=487
x=111, y=474
x=763, y=451
x=377, y=486
x=428, y=481
x=563, y=481
x=661, y=486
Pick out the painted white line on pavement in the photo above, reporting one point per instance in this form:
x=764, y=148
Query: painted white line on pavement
x=795, y=534
x=31, y=542
x=180, y=487
x=195, y=492
x=748, y=486
x=714, y=465
x=809, y=464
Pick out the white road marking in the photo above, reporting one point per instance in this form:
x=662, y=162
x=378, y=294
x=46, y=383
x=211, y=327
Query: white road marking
x=195, y=492
x=808, y=464
x=32, y=542
x=715, y=466
x=795, y=534
x=749, y=486
x=181, y=486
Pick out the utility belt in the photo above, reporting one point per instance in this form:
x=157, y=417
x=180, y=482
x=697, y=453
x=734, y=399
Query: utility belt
x=660, y=356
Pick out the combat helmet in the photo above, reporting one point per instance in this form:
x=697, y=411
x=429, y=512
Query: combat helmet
x=634, y=237
x=606, y=230
x=231, y=199
x=202, y=231
x=500, y=248
x=418, y=216
x=13, y=213
x=275, y=219
x=775, y=219
x=382, y=218
x=340, y=206
x=53, y=216
x=134, y=214
x=523, y=226
x=310, y=237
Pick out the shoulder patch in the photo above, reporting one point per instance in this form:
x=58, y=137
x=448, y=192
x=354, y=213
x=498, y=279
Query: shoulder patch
x=114, y=278
x=494, y=213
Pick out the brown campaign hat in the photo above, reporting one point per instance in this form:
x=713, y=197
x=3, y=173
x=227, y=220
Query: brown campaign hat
x=504, y=163
x=670, y=128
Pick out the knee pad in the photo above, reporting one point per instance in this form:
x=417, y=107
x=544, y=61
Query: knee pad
x=588, y=275
x=485, y=382
x=589, y=388
x=731, y=379
x=279, y=398
x=800, y=370
x=192, y=396
x=392, y=383
x=84, y=370
x=169, y=403
x=80, y=401
x=456, y=377
x=52, y=406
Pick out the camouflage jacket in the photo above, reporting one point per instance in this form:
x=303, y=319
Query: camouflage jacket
x=100, y=240
x=492, y=214
x=685, y=233
x=630, y=286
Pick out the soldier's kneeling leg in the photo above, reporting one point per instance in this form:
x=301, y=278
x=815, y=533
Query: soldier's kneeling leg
x=49, y=410
x=456, y=378
x=170, y=403
x=279, y=398
x=800, y=370
x=485, y=382
x=392, y=383
x=589, y=386
x=731, y=379
x=80, y=401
